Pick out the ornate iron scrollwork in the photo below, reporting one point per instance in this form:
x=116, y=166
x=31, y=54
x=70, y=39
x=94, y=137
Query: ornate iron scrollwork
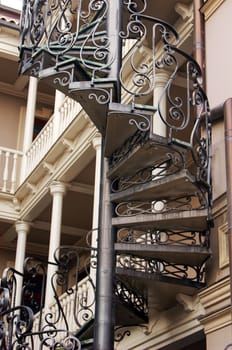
x=15, y=321
x=154, y=236
x=122, y=331
x=143, y=80
x=162, y=268
x=66, y=30
x=137, y=139
x=18, y=325
x=131, y=298
x=166, y=56
x=161, y=168
x=184, y=203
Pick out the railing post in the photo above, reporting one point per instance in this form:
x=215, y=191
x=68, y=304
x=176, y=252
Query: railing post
x=57, y=190
x=29, y=121
x=114, y=25
x=6, y=171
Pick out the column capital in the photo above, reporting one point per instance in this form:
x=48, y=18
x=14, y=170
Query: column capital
x=22, y=226
x=58, y=187
x=96, y=141
x=161, y=78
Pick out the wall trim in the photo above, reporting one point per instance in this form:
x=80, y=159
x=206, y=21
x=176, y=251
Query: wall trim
x=210, y=7
x=216, y=301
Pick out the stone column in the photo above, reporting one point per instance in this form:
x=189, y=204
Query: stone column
x=97, y=141
x=59, y=99
x=22, y=229
x=29, y=120
x=57, y=190
x=159, y=127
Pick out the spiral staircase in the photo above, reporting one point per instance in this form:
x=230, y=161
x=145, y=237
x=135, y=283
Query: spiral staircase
x=160, y=180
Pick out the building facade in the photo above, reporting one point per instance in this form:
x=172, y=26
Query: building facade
x=169, y=251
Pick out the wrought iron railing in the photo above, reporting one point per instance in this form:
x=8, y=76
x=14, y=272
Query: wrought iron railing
x=72, y=39
x=67, y=31
x=84, y=294
x=72, y=44
x=50, y=329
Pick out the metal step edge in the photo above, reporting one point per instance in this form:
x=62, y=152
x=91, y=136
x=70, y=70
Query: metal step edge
x=130, y=193
x=159, y=278
x=192, y=255
x=196, y=219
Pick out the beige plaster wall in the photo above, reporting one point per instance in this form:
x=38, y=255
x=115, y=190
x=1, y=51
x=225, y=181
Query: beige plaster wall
x=219, y=339
x=219, y=54
x=7, y=258
x=218, y=159
x=9, y=119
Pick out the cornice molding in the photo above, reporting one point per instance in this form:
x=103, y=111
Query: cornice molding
x=219, y=291
x=210, y=7
x=220, y=206
x=218, y=320
x=216, y=301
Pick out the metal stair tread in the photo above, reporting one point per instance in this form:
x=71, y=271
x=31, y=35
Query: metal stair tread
x=171, y=186
x=119, y=125
x=185, y=220
x=184, y=254
x=94, y=98
x=159, y=281
x=143, y=155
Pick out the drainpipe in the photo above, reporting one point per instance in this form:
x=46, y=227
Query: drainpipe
x=228, y=149
x=199, y=37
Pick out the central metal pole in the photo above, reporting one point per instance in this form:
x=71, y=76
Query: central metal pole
x=104, y=311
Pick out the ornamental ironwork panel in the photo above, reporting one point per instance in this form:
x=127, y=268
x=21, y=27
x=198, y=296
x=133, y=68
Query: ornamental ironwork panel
x=66, y=31
x=154, y=236
x=161, y=268
x=49, y=328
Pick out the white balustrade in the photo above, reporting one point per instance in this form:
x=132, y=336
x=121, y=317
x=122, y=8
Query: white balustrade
x=127, y=46
x=9, y=163
x=55, y=126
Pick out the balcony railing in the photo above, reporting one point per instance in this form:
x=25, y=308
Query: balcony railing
x=10, y=160
x=50, y=133
x=11, y=164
